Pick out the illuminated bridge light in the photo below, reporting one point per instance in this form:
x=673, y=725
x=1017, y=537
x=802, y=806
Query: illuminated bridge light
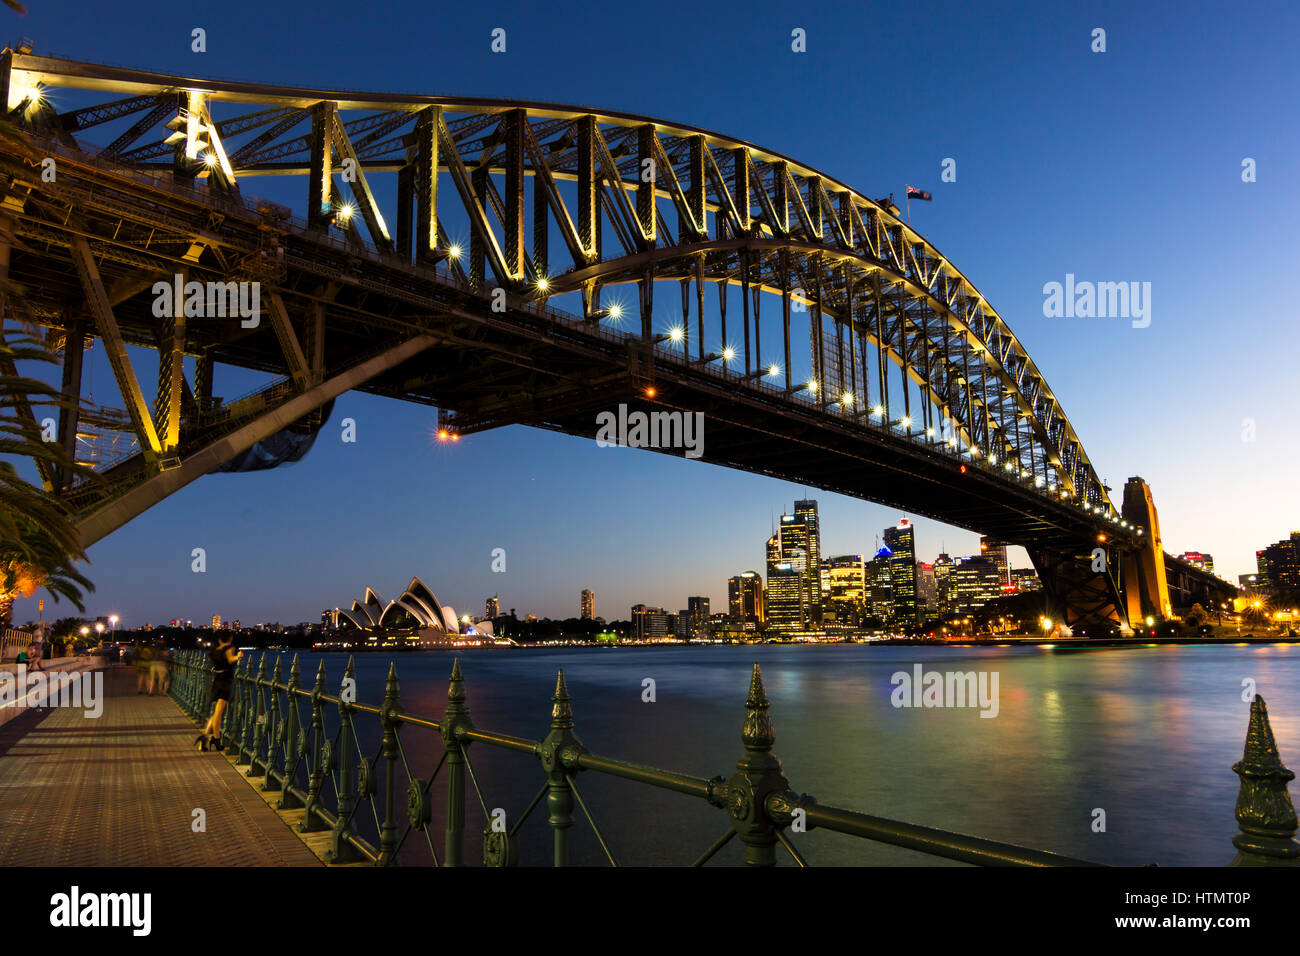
x=812, y=386
x=543, y=284
x=846, y=399
x=209, y=159
x=454, y=252
x=929, y=433
x=728, y=354
x=993, y=459
x=878, y=411
x=906, y=422
x=615, y=311
x=345, y=212
x=676, y=334
x=774, y=370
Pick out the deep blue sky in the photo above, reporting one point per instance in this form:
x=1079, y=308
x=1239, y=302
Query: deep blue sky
x=1122, y=166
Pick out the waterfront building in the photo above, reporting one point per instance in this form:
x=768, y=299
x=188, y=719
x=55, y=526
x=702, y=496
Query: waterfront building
x=649, y=623
x=942, y=570
x=795, y=539
x=1278, y=565
x=901, y=541
x=216, y=622
x=492, y=608
x=587, y=605
x=787, y=608
x=685, y=628
x=807, y=510
x=927, y=594
x=972, y=583
x=996, y=551
x=698, y=608
x=846, y=598
x=745, y=601
x=415, y=619
x=880, y=600
x=329, y=618
x=1025, y=579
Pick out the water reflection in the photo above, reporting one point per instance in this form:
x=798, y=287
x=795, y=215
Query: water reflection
x=1148, y=735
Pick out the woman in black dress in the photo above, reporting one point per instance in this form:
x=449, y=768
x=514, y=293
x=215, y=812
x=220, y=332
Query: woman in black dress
x=224, y=657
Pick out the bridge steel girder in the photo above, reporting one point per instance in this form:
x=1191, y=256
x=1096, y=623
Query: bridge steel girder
x=118, y=511
x=745, y=215
x=115, y=347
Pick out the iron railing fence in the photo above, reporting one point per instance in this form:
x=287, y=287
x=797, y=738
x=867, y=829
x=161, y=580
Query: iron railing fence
x=320, y=765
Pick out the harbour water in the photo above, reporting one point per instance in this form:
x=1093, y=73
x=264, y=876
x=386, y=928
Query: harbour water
x=1146, y=736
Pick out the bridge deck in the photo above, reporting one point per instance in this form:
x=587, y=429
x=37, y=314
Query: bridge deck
x=121, y=789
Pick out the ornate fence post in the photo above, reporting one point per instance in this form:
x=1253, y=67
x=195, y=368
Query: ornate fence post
x=205, y=687
x=559, y=795
x=245, y=690
x=258, y=718
x=310, y=821
x=455, y=718
x=1264, y=810
x=341, y=850
x=388, y=714
x=758, y=774
x=295, y=740
x=275, y=727
x=237, y=709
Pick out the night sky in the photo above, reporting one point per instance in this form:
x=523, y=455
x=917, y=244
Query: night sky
x=1116, y=166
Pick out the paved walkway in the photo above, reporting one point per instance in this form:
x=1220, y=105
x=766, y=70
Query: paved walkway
x=121, y=790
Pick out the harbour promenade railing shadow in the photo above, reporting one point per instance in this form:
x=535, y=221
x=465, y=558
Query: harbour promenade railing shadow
x=319, y=765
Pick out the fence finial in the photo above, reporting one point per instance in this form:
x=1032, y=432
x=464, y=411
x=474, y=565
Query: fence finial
x=561, y=712
x=1264, y=810
x=757, y=733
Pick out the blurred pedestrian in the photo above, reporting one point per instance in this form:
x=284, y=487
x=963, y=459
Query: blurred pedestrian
x=143, y=659
x=33, y=656
x=157, y=670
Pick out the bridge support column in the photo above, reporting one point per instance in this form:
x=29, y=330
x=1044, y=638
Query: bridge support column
x=74, y=344
x=1140, y=510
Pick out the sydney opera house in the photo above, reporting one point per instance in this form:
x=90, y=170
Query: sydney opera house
x=416, y=619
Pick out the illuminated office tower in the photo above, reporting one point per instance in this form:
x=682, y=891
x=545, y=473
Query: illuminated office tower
x=846, y=599
x=745, y=600
x=698, y=610
x=807, y=510
x=901, y=542
x=493, y=608
x=649, y=623
x=996, y=551
x=927, y=591
x=588, y=605
x=795, y=543
x=773, y=552
x=880, y=597
x=786, y=598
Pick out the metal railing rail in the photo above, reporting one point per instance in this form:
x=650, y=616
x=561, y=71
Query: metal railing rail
x=332, y=778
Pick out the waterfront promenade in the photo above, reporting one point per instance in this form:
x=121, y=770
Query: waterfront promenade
x=122, y=790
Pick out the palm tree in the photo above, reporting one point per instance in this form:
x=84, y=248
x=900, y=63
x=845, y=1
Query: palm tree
x=39, y=546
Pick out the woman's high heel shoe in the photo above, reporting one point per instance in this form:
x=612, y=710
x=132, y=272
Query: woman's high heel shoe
x=202, y=741
x=218, y=744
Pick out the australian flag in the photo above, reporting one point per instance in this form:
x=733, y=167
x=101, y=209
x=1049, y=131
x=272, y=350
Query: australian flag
x=914, y=193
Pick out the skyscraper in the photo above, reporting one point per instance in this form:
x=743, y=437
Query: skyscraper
x=745, y=600
x=698, y=609
x=902, y=571
x=587, y=605
x=786, y=606
x=880, y=596
x=807, y=510
x=846, y=600
x=996, y=551
x=492, y=608
x=795, y=543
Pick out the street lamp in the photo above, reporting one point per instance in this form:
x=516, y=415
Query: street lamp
x=112, y=619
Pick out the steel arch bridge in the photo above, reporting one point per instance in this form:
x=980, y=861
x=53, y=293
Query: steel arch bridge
x=918, y=394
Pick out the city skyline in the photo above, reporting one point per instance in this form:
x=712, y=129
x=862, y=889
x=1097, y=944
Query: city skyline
x=286, y=543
